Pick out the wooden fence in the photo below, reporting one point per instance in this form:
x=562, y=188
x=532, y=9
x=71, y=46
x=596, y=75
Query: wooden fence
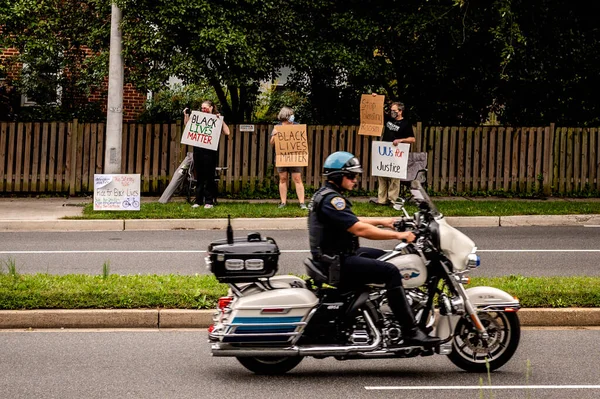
x=63, y=157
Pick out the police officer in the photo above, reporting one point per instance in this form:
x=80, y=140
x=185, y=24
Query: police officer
x=334, y=230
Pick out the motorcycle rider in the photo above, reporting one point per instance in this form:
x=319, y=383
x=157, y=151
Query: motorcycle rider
x=334, y=231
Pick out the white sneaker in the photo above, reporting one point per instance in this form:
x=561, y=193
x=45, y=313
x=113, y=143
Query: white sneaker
x=195, y=206
x=208, y=206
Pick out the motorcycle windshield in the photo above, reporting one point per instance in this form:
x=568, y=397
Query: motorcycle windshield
x=420, y=196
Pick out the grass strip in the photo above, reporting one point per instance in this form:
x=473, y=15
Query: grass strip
x=182, y=210
x=77, y=291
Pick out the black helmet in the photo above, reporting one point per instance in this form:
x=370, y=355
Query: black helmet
x=341, y=163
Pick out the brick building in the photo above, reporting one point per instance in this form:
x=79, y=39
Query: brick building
x=133, y=100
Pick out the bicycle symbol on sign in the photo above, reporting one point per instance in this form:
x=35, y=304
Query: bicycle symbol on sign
x=130, y=203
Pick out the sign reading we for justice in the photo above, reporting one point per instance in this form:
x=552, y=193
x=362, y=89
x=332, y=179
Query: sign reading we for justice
x=203, y=130
x=388, y=160
x=291, y=145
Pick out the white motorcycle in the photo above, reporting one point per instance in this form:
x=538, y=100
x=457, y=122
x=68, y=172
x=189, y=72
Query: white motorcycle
x=270, y=323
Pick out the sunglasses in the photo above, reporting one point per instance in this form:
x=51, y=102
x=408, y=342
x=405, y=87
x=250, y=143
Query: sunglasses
x=351, y=176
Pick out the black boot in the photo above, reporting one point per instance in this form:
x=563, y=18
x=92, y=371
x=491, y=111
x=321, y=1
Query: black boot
x=411, y=333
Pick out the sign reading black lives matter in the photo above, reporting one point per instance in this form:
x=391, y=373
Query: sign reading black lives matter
x=203, y=130
x=291, y=145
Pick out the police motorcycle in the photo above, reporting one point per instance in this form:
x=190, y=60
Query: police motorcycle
x=270, y=323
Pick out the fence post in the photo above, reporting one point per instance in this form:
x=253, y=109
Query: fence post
x=552, y=151
x=73, y=163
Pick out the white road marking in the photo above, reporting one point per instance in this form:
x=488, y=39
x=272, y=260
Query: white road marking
x=477, y=387
x=538, y=250
x=186, y=251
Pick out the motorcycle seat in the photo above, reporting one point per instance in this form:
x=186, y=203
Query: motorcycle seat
x=313, y=270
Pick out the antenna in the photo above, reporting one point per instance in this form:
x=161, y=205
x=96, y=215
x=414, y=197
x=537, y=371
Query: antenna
x=229, y=231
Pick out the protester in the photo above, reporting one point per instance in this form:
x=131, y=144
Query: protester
x=205, y=163
x=397, y=130
x=286, y=117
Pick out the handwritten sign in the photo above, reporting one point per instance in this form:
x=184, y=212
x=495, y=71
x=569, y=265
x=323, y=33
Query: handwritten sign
x=117, y=192
x=203, y=130
x=291, y=145
x=371, y=115
x=388, y=160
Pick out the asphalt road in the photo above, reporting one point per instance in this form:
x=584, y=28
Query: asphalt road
x=529, y=251
x=177, y=364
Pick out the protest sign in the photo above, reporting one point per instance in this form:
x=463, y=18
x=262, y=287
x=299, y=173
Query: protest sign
x=388, y=160
x=203, y=130
x=291, y=145
x=371, y=115
x=117, y=192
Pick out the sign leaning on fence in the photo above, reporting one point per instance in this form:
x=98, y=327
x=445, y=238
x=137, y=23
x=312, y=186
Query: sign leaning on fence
x=371, y=115
x=203, y=130
x=291, y=145
x=117, y=192
x=388, y=160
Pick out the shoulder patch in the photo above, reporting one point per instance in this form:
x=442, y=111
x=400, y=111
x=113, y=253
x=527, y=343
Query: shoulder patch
x=338, y=203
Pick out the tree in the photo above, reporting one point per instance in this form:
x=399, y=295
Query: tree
x=233, y=45
x=62, y=46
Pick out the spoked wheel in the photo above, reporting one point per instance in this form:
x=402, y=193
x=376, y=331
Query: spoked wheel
x=270, y=365
x=470, y=352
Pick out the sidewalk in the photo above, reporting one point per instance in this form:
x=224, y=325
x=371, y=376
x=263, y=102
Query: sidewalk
x=45, y=214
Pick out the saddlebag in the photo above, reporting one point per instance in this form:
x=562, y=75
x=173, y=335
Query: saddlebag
x=243, y=260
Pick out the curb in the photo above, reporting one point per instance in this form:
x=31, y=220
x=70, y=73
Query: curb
x=298, y=223
x=62, y=225
x=184, y=318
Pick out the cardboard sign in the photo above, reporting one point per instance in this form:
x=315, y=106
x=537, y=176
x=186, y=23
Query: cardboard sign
x=291, y=145
x=203, y=130
x=388, y=160
x=117, y=192
x=371, y=115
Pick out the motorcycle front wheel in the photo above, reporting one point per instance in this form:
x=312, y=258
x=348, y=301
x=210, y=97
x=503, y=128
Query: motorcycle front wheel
x=472, y=353
x=269, y=365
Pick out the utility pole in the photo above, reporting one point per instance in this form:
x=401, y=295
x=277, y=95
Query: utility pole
x=114, y=117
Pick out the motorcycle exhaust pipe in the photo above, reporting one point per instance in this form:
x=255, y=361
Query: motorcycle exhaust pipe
x=302, y=350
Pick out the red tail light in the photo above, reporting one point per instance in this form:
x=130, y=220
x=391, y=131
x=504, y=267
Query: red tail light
x=224, y=301
x=211, y=328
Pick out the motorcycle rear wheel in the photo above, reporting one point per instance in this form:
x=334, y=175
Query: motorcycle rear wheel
x=269, y=365
x=471, y=353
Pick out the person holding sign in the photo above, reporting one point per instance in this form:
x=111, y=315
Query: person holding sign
x=397, y=130
x=286, y=117
x=205, y=163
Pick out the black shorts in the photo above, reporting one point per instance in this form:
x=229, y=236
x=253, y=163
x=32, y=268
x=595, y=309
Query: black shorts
x=290, y=169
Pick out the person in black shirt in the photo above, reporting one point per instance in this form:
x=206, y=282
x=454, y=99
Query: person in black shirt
x=334, y=231
x=205, y=163
x=397, y=130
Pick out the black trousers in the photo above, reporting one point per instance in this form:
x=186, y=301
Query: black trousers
x=205, y=164
x=363, y=268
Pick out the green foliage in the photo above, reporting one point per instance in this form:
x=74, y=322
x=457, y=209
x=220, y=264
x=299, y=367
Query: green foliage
x=270, y=102
x=105, y=269
x=167, y=105
x=77, y=291
x=60, y=46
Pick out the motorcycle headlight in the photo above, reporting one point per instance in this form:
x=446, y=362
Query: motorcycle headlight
x=473, y=261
